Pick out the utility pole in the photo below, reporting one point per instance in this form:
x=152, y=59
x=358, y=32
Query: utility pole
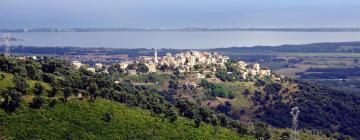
x=294, y=113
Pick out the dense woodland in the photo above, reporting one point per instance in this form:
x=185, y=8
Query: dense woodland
x=321, y=108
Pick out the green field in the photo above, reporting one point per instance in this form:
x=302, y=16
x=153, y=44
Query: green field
x=82, y=120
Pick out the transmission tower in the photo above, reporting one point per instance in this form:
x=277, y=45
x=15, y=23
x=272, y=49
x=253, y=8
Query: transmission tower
x=6, y=38
x=294, y=113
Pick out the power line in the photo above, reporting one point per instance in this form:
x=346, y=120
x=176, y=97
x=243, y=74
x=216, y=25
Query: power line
x=6, y=38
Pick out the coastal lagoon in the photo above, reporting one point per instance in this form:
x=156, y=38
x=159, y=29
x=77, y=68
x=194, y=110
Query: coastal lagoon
x=179, y=39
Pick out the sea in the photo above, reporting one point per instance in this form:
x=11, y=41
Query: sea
x=178, y=39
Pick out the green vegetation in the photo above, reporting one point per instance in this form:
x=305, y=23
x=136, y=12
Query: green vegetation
x=217, y=90
x=83, y=120
x=6, y=80
x=56, y=84
x=283, y=134
x=47, y=86
x=151, y=77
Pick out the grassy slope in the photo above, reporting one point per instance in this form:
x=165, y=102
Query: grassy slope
x=6, y=82
x=245, y=102
x=82, y=120
x=303, y=135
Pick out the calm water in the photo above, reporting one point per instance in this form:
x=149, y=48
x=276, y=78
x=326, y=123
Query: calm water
x=186, y=40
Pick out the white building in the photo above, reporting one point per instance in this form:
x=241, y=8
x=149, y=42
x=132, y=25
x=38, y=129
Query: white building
x=123, y=65
x=252, y=72
x=98, y=65
x=242, y=65
x=264, y=73
x=152, y=67
x=76, y=64
x=256, y=67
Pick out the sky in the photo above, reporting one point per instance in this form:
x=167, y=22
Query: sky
x=178, y=13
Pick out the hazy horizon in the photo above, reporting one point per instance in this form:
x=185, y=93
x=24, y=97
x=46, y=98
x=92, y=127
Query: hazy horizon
x=179, y=14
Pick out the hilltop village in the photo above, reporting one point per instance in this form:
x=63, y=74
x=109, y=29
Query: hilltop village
x=200, y=63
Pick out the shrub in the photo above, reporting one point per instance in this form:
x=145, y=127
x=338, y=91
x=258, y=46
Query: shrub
x=37, y=102
x=38, y=89
x=106, y=117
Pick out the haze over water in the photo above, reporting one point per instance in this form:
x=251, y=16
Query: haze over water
x=179, y=40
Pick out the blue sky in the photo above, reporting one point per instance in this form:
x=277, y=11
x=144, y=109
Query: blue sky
x=179, y=13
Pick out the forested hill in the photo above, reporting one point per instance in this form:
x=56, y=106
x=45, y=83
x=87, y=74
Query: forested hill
x=321, y=108
x=39, y=100
x=45, y=86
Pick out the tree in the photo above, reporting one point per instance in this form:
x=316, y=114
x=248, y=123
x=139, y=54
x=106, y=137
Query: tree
x=67, y=93
x=107, y=117
x=198, y=67
x=208, y=75
x=173, y=118
x=260, y=83
x=223, y=120
x=204, y=83
x=142, y=68
x=115, y=69
x=172, y=84
x=52, y=103
x=37, y=102
x=273, y=88
x=262, y=132
x=176, y=72
x=241, y=128
x=50, y=78
x=224, y=108
x=20, y=83
x=171, y=114
x=53, y=91
x=32, y=72
x=52, y=66
x=247, y=92
x=12, y=99
x=221, y=74
x=20, y=70
x=164, y=67
x=131, y=66
x=38, y=88
x=94, y=91
x=197, y=122
x=285, y=136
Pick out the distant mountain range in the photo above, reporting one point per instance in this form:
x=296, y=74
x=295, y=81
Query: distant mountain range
x=339, y=29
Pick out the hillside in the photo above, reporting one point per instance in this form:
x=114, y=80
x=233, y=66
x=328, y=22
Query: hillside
x=80, y=119
x=38, y=100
